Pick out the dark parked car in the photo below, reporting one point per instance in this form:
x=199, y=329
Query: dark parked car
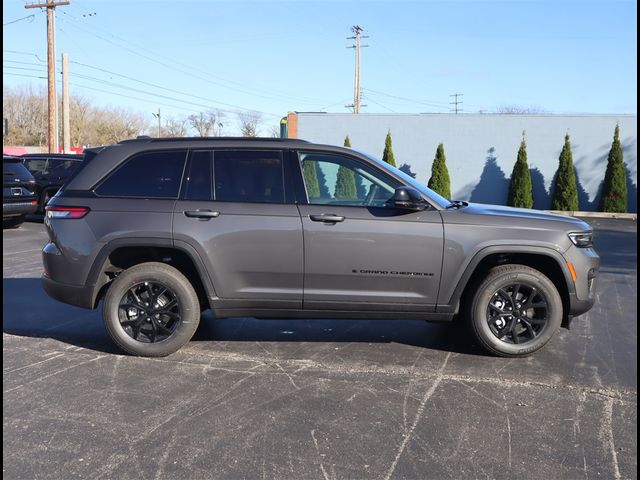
x=51, y=171
x=272, y=228
x=18, y=192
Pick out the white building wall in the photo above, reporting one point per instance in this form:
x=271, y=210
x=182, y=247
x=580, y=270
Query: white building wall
x=467, y=139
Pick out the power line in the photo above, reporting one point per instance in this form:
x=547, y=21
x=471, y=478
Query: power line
x=149, y=101
x=31, y=17
x=381, y=105
x=172, y=67
x=144, y=92
x=188, y=66
x=164, y=88
x=410, y=100
x=21, y=75
x=148, y=84
x=126, y=88
x=28, y=69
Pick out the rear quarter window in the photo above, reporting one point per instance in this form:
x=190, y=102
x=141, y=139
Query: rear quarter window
x=16, y=170
x=146, y=175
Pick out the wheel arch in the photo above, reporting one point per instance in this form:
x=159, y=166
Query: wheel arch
x=121, y=254
x=548, y=261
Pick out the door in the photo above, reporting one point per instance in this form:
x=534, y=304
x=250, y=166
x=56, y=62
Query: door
x=234, y=211
x=360, y=253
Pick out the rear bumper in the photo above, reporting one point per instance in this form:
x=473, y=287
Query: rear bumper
x=78, y=295
x=18, y=208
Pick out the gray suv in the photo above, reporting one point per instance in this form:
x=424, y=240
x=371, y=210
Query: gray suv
x=161, y=229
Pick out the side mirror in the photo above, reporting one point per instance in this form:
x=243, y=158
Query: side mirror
x=408, y=198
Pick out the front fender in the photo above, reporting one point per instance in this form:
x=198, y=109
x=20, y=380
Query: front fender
x=451, y=291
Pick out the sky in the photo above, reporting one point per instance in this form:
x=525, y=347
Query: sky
x=184, y=57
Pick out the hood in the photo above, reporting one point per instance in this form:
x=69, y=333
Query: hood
x=500, y=215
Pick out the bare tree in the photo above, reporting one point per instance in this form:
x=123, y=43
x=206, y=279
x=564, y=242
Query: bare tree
x=274, y=131
x=206, y=124
x=520, y=110
x=249, y=123
x=202, y=123
x=175, y=127
x=79, y=112
x=26, y=112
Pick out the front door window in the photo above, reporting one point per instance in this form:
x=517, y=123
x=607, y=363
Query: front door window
x=338, y=180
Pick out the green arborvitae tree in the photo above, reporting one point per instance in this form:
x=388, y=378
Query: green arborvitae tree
x=439, y=181
x=345, y=185
x=322, y=183
x=387, y=155
x=614, y=189
x=311, y=179
x=361, y=191
x=565, y=191
x=521, y=187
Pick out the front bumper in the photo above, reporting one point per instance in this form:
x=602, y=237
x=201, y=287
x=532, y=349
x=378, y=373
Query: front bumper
x=586, y=264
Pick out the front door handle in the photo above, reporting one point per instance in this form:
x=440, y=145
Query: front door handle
x=204, y=214
x=327, y=218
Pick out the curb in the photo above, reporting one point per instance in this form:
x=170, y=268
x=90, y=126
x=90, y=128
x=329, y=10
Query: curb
x=621, y=216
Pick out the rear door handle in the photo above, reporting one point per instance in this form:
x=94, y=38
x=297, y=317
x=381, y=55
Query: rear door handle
x=204, y=214
x=327, y=218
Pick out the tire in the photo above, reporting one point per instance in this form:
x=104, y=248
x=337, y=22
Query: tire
x=168, y=313
x=13, y=222
x=517, y=325
x=44, y=199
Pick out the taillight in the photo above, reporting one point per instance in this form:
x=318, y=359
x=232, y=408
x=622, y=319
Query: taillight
x=66, y=212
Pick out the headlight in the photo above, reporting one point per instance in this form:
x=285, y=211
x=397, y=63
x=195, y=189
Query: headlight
x=582, y=239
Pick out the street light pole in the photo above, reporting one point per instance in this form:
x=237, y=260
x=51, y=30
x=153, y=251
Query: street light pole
x=157, y=115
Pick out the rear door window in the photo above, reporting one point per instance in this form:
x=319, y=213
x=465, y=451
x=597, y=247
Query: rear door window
x=199, y=183
x=36, y=165
x=60, y=166
x=248, y=176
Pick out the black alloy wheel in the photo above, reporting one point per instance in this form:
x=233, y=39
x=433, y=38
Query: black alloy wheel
x=514, y=310
x=151, y=309
x=517, y=313
x=149, y=312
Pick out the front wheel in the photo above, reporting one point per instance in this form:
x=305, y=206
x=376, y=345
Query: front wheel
x=515, y=311
x=151, y=310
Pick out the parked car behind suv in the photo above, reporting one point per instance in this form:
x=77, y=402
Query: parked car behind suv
x=50, y=170
x=161, y=229
x=18, y=192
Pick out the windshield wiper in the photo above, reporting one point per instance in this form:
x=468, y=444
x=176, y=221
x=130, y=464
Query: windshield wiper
x=457, y=204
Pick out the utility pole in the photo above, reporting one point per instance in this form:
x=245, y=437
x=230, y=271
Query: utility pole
x=357, y=29
x=66, y=132
x=157, y=115
x=51, y=66
x=456, y=102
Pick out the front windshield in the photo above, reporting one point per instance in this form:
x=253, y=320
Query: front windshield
x=410, y=181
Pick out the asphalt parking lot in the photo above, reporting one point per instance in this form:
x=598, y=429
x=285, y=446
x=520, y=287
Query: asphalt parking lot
x=301, y=399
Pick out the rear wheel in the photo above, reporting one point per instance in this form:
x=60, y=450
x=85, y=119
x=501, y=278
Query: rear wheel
x=151, y=310
x=515, y=311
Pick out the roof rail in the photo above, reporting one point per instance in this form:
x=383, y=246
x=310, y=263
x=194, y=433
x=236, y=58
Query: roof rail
x=145, y=138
